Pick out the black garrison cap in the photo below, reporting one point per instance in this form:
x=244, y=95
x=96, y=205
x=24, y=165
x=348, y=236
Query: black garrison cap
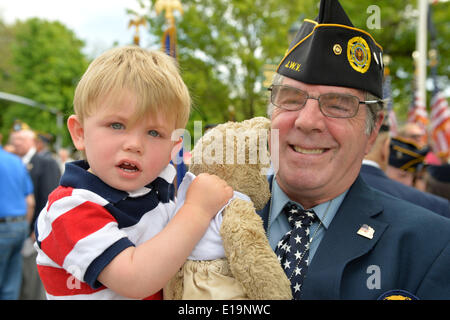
x=406, y=155
x=331, y=51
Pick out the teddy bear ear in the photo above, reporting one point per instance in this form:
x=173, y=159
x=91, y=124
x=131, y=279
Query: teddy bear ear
x=257, y=123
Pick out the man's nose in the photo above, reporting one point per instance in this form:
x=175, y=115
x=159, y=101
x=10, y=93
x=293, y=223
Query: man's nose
x=310, y=118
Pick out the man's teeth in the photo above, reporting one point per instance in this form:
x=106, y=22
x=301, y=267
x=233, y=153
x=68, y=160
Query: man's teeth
x=308, y=151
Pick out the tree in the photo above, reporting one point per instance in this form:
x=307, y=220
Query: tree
x=223, y=46
x=47, y=62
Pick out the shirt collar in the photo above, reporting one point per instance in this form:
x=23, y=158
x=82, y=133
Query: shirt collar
x=323, y=212
x=77, y=175
x=371, y=163
x=27, y=157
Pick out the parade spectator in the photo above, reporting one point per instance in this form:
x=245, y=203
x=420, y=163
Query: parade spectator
x=336, y=237
x=406, y=159
x=45, y=175
x=437, y=180
x=414, y=133
x=373, y=172
x=16, y=210
x=63, y=157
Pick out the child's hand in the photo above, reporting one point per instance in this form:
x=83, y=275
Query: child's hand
x=208, y=193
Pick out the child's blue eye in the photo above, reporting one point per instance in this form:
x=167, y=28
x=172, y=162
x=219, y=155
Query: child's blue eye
x=153, y=133
x=116, y=126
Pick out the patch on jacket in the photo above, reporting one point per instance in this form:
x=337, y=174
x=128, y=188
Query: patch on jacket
x=397, y=295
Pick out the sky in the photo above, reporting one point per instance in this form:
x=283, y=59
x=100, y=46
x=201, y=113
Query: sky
x=98, y=22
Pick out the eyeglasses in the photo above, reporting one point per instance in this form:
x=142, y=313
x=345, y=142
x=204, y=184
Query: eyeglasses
x=333, y=105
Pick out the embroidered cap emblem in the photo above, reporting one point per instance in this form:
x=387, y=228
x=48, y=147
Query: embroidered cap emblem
x=358, y=54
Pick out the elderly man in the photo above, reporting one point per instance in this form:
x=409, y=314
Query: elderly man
x=336, y=237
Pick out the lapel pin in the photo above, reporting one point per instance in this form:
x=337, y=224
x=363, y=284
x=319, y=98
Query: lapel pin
x=366, y=231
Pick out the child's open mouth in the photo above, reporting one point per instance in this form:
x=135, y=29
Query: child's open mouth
x=128, y=167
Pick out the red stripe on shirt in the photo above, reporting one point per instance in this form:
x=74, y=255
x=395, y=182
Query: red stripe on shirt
x=58, y=282
x=156, y=296
x=72, y=226
x=57, y=194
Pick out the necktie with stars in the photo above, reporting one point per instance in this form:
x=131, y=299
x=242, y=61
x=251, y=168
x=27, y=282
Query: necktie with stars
x=292, y=250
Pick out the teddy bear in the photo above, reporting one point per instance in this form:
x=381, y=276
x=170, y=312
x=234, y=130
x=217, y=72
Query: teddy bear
x=233, y=260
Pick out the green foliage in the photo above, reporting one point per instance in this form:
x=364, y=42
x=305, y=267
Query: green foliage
x=224, y=46
x=47, y=63
x=222, y=49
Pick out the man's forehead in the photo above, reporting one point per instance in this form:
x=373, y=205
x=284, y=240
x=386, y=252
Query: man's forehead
x=24, y=134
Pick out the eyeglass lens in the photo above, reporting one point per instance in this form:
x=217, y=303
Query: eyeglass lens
x=331, y=104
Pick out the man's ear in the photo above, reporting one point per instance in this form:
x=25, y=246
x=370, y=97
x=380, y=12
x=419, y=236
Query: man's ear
x=76, y=132
x=374, y=134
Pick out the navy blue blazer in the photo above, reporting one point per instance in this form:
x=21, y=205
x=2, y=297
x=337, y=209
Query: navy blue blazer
x=45, y=174
x=410, y=250
x=377, y=179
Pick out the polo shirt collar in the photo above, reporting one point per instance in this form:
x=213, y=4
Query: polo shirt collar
x=77, y=176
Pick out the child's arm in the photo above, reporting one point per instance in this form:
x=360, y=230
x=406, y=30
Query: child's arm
x=138, y=272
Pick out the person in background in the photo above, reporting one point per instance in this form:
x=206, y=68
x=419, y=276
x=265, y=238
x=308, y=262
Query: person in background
x=413, y=132
x=43, y=141
x=63, y=157
x=437, y=180
x=45, y=175
x=16, y=211
x=373, y=172
x=405, y=160
x=336, y=237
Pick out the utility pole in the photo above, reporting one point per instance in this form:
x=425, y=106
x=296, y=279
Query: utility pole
x=421, y=49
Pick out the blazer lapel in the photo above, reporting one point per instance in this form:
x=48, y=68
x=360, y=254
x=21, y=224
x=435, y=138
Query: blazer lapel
x=341, y=243
x=264, y=213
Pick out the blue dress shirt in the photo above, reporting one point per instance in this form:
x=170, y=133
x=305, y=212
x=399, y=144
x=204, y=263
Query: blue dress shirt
x=279, y=225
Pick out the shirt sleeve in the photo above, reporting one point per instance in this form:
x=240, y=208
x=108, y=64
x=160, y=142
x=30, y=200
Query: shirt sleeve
x=78, y=233
x=210, y=246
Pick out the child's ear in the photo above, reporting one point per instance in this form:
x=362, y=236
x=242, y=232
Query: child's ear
x=176, y=148
x=76, y=132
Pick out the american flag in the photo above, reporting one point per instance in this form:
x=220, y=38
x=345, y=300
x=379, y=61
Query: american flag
x=387, y=95
x=440, y=124
x=418, y=112
x=169, y=43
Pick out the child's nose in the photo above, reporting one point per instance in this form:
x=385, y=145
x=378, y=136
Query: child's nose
x=133, y=143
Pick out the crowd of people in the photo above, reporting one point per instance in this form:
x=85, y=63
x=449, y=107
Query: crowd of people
x=30, y=172
x=375, y=208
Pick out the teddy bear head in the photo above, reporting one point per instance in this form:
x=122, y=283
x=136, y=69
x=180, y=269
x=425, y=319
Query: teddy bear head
x=237, y=152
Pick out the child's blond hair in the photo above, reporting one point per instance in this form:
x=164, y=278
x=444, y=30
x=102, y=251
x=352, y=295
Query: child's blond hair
x=153, y=76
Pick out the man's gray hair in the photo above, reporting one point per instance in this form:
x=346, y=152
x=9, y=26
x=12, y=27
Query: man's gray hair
x=372, y=114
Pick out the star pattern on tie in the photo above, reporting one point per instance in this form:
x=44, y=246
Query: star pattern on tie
x=292, y=249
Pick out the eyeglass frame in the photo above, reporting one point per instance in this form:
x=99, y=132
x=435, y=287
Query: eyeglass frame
x=366, y=102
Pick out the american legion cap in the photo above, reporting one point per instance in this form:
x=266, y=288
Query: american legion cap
x=406, y=155
x=331, y=51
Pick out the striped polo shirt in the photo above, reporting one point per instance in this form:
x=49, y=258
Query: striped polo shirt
x=87, y=223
